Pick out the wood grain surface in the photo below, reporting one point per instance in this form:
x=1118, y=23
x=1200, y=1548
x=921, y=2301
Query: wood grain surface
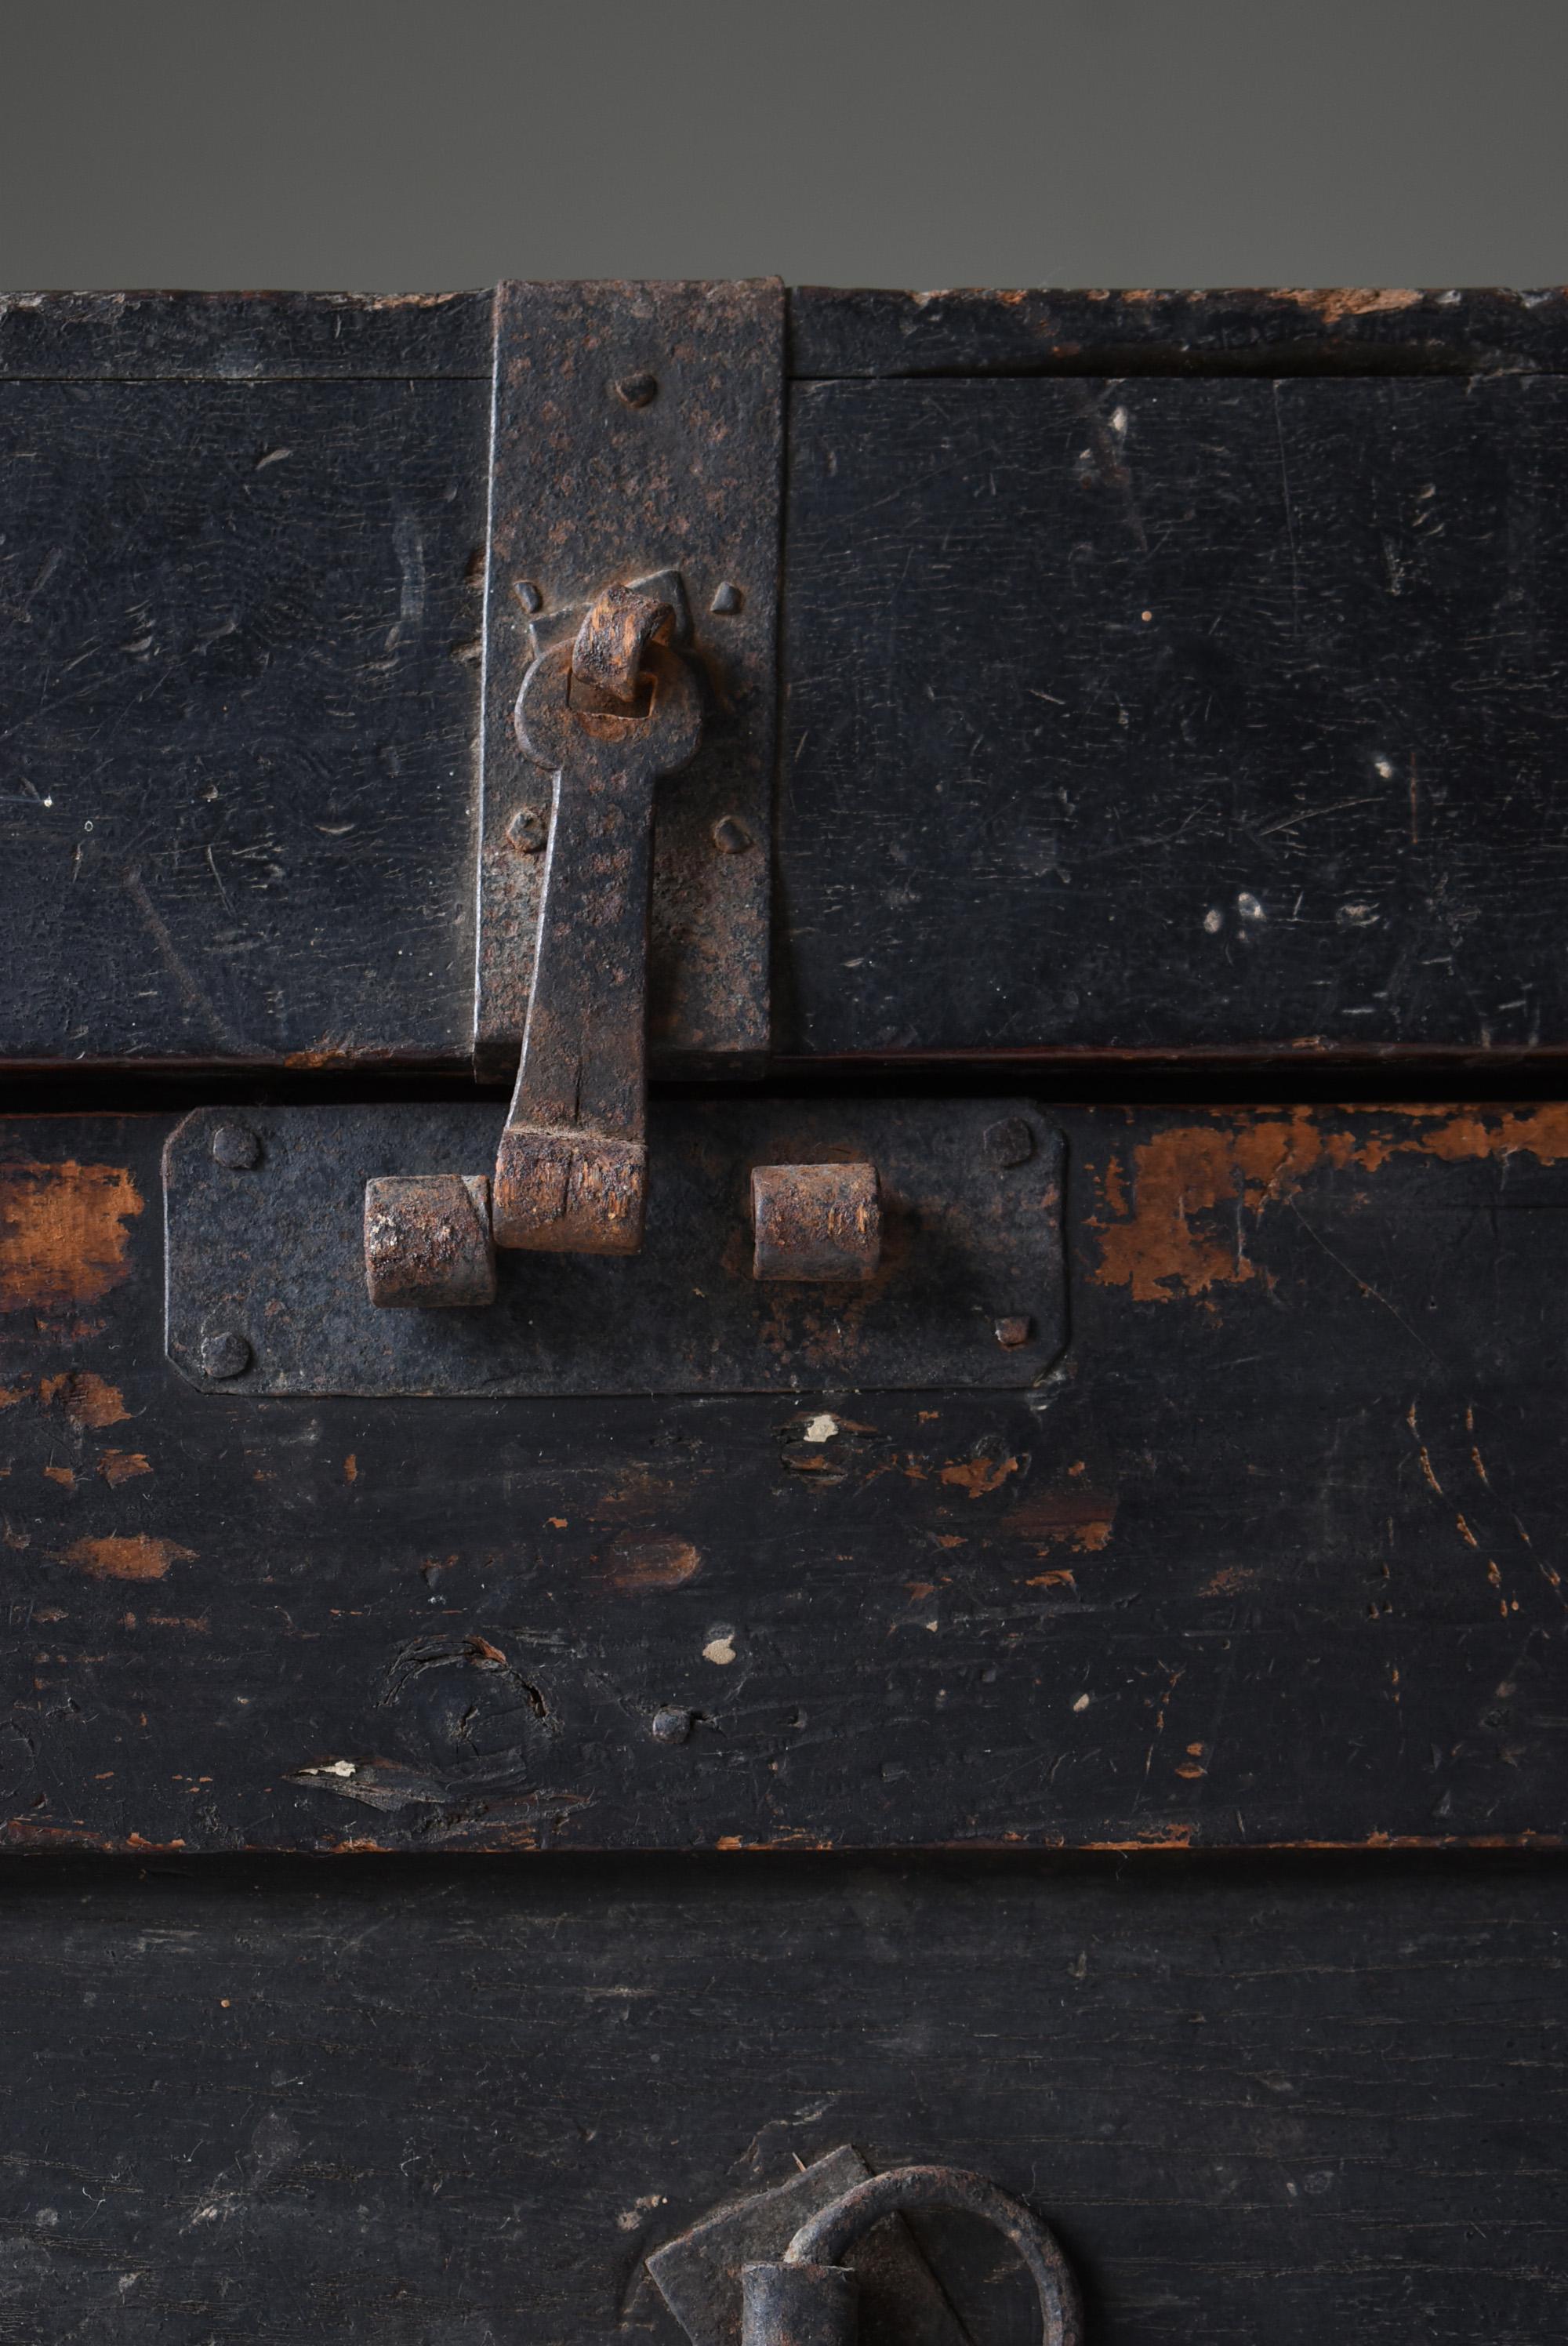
x=405, y=2102
x=1275, y=1554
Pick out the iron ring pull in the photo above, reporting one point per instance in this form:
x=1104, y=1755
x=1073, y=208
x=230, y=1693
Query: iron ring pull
x=810, y=2300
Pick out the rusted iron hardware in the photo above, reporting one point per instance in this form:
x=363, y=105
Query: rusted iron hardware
x=279, y=1264
x=826, y=2257
x=697, y=2274
x=816, y=1221
x=609, y=715
x=637, y=438
x=812, y=2296
x=427, y=1241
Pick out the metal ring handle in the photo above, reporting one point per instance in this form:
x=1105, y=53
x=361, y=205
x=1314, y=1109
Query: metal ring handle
x=826, y=2239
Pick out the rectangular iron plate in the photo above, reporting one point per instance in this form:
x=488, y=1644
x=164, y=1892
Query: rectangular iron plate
x=274, y=1254
x=637, y=431
x=698, y=2274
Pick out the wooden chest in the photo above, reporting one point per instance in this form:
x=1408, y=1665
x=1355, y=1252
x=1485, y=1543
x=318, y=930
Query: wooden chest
x=783, y=1294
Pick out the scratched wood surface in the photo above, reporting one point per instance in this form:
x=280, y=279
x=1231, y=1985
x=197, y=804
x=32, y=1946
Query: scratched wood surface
x=1275, y=1555
x=398, y=2104
x=1123, y=712
x=238, y=649
x=1175, y=716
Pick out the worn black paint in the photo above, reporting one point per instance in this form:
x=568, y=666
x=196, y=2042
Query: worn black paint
x=396, y=2103
x=1175, y=716
x=237, y=659
x=1275, y=1554
x=846, y=331
x=1019, y=816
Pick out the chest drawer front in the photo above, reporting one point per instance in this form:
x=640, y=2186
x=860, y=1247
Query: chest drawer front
x=418, y=2100
x=1272, y=1553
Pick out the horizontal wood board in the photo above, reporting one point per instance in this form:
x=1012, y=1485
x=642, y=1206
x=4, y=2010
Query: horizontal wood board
x=834, y=331
x=388, y=2105
x=239, y=652
x=1274, y=1555
x=1175, y=716
x=1311, y=804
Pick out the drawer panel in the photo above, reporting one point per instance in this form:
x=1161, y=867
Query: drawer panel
x=405, y=2102
x=1272, y=1554
x=1162, y=714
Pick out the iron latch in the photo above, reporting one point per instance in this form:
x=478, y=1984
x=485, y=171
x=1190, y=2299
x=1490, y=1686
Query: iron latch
x=635, y=463
x=790, y=1245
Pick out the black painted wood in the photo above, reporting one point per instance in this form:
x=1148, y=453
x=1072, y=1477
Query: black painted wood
x=1309, y=802
x=237, y=659
x=840, y=331
x=1160, y=716
x=1275, y=1555
x=116, y=337
x=401, y=2104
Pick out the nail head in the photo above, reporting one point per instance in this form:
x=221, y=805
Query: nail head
x=528, y=830
x=638, y=390
x=731, y=837
x=236, y=1146
x=1009, y=1142
x=225, y=1353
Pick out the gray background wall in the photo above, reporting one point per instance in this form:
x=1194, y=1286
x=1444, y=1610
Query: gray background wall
x=420, y=144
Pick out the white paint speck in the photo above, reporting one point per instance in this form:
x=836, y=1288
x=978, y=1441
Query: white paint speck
x=930, y=1624
x=1385, y=769
x=1082, y=1703
x=821, y=1428
x=721, y=1647
x=630, y=2217
x=1214, y=922
x=1358, y=916
x=1118, y=419
x=1249, y=908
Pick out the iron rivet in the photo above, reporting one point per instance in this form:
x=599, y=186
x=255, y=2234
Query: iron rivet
x=671, y=1726
x=638, y=390
x=237, y=1146
x=730, y=838
x=1011, y=1142
x=528, y=831
x=528, y=595
x=728, y=599
x=225, y=1353
x=1014, y=1331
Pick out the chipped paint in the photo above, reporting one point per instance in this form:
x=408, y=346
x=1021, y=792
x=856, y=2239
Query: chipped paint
x=1079, y=1519
x=86, y=1397
x=63, y=1238
x=1334, y=303
x=117, y=1467
x=978, y=1477
x=637, y=1560
x=1175, y=1221
x=133, y=1557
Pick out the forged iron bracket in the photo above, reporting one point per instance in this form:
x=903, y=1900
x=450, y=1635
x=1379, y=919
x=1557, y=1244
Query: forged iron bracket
x=698, y=2275
x=636, y=440
x=957, y=1282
